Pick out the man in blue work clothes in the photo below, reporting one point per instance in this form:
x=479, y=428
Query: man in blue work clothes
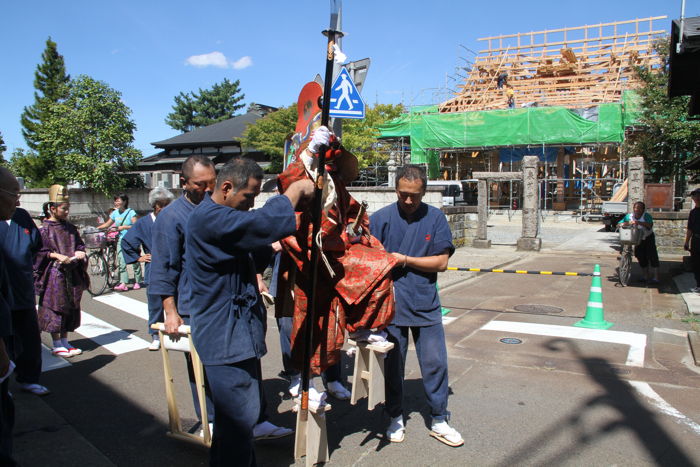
x=9, y=194
x=20, y=241
x=168, y=254
x=420, y=238
x=228, y=317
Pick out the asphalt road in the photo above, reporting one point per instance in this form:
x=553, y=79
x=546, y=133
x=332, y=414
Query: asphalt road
x=627, y=396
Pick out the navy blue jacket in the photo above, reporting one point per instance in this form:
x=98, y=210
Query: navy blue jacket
x=428, y=234
x=228, y=317
x=20, y=241
x=5, y=300
x=139, y=235
x=168, y=255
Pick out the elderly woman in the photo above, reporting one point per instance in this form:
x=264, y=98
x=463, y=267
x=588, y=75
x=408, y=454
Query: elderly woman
x=123, y=218
x=139, y=237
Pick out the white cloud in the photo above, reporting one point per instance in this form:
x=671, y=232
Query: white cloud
x=241, y=63
x=216, y=59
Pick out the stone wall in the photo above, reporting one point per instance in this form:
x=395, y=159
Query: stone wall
x=463, y=221
x=669, y=229
x=86, y=205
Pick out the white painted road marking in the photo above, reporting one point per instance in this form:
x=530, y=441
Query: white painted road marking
x=664, y=406
x=50, y=361
x=110, y=337
x=637, y=342
x=126, y=304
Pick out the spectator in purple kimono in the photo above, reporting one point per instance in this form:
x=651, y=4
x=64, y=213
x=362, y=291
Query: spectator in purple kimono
x=60, y=275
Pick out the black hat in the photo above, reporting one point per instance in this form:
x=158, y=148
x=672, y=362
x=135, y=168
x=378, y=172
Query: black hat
x=695, y=192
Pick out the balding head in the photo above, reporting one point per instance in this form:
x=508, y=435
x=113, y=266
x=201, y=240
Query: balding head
x=9, y=194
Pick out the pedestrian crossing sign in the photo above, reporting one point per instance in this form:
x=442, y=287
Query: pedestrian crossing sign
x=345, y=98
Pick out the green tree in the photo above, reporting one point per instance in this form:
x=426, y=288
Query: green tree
x=668, y=139
x=207, y=106
x=3, y=148
x=51, y=84
x=359, y=135
x=269, y=133
x=91, y=134
x=31, y=167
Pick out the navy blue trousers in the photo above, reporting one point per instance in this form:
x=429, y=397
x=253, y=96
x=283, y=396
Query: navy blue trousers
x=7, y=421
x=236, y=389
x=24, y=347
x=432, y=358
x=155, y=312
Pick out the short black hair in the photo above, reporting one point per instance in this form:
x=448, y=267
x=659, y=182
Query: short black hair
x=644, y=206
x=239, y=171
x=411, y=172
x=124, y=197
x=190, y=162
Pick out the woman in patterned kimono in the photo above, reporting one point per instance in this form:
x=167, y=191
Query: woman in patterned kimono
x=60, y=275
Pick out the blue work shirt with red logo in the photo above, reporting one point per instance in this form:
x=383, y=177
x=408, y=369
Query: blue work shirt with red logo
x=20, y=240
x=427, y=234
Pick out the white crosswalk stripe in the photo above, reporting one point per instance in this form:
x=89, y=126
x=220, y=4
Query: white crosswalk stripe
x=110, y=337
x=126, y=304
x=50, y=361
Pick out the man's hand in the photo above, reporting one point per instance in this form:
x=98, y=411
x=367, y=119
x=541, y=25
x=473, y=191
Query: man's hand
x=321, y=137
x=262, y=287
x=145, y=258
x=172, y=318
x=80, y=255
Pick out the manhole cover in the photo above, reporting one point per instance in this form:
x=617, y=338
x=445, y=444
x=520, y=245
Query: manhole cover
x=539, y=309
x=511, y=340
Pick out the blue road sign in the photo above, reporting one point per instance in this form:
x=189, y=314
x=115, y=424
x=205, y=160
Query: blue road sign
x=345, y=99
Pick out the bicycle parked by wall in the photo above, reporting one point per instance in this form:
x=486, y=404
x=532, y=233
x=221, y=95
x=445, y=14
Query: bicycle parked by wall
x=629, y=238
x=103, y=268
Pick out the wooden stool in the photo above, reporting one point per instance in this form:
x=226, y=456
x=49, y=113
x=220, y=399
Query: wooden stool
x=184, y=344
x=368, y=376
x=310, y=437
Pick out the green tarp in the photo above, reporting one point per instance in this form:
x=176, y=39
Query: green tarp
x=430, y=131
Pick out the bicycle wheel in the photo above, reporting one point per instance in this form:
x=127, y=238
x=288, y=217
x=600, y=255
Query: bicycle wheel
x=625, y=269
x=97, y=271
x=112, y=266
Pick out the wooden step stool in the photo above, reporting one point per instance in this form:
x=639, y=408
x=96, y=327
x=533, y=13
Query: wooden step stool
x=310, y=437
x=184, y=344
x=368, y=376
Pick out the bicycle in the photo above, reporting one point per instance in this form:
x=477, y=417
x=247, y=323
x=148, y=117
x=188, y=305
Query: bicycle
x=629, y=238
x=103, y=268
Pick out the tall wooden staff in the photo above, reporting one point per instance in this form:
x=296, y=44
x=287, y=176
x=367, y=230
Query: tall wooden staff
x=332, y=33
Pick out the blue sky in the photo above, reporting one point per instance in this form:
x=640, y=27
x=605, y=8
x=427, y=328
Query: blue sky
x=141, y=48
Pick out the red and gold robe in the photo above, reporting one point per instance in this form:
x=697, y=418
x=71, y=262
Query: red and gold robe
x=358, y=296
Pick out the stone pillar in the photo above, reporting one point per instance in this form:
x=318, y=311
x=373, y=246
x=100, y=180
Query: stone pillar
x=529, y=240
x=391, y=168
x=481, y=241
x=635, y=185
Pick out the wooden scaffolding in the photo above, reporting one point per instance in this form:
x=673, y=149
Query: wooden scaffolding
x=571, y=67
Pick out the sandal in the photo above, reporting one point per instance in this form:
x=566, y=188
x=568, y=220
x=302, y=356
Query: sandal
x=61, y=352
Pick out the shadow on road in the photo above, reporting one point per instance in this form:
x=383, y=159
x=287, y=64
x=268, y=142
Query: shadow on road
x=619, y=396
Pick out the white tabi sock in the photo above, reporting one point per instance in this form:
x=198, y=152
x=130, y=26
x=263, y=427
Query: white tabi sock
x=58, y=343
x=65, y=343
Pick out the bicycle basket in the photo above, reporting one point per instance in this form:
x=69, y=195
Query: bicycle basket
x=630, y=236
x=94, y=240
